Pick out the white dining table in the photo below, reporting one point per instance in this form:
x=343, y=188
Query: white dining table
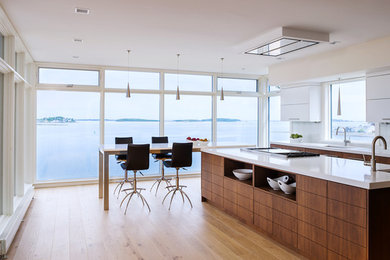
x=106, y=150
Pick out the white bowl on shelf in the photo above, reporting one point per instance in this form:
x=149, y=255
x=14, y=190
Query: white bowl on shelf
x=243, y=174
x=287, y=188
x=296, y=140
x=273, y=183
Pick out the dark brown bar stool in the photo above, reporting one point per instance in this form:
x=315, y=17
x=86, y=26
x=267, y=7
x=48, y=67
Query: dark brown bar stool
x=137, y=159
x=121, y=158
x=161, y=157
x=181, y=157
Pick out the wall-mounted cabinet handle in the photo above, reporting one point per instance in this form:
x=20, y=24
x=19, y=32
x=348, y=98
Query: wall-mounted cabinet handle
x=294, y=118
x=386, y=119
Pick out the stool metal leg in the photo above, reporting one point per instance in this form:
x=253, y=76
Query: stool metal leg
x=162, y=178
x=137, y=191
x=175, y=188
x=121, y=183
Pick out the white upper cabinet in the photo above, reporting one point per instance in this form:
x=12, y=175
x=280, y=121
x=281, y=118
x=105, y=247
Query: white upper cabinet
x=302, y=103
x=378, y=98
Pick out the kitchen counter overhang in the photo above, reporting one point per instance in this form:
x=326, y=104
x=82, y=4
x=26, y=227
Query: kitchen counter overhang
x=344, y=171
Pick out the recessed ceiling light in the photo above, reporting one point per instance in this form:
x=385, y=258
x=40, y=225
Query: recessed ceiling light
x=78, y=10
x=75, y=57
x=78, y=40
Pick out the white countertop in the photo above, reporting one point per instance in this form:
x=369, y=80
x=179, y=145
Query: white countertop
x=379, y=151
x=345, y=171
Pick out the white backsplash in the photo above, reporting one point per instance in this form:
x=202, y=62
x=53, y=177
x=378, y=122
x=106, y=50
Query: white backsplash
x=384, y=130
x=311, y=131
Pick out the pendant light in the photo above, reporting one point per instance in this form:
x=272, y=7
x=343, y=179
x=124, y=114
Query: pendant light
x=128, y=75
x=222, y=95
x=177, y=75
x=339, y=102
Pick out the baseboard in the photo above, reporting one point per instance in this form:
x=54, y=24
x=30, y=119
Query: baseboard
x=75, y=182
x=10, y=224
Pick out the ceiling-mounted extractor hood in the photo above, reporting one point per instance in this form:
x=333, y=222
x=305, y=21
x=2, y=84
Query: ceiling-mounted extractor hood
x=287, y=40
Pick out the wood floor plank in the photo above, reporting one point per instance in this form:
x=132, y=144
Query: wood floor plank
x=70, y=223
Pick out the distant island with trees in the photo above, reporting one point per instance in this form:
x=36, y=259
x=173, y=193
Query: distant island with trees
x=61, y=119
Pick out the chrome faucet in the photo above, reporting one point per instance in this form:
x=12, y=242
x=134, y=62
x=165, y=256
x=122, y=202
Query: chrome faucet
x=373, y=159
x=346, y=142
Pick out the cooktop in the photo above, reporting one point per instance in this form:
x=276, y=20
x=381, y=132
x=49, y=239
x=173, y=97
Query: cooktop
x=277, y=151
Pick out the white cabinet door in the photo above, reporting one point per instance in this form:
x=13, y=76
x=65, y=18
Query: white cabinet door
x=378, y=87
x=298, y=112
x=295, y=95
x=378, y=110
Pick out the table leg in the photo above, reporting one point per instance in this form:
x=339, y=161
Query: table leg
x=106, y=179
x=100, y=175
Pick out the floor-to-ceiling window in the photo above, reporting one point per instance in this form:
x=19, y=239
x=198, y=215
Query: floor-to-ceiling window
x=237, y=114
x=352, y=110
x=67, y=134
x=69, y=108
x=277, y=130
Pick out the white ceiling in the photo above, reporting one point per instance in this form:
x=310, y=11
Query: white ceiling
x=202, y=31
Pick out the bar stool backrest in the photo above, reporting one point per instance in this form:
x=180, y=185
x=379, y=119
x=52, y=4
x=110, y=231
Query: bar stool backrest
x=123, y=140
x=137, y=157
x=181, y=155
x=159, y=139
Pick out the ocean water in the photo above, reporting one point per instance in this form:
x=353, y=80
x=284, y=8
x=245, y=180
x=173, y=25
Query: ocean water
x=70, y=150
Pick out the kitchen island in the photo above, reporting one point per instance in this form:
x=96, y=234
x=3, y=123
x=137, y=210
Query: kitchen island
x=340, y=209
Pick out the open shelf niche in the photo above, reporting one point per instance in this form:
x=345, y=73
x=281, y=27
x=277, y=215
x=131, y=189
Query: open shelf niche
x=260, y=181
x=230, y=165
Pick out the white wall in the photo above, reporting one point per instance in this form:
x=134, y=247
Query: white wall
x=362, y=57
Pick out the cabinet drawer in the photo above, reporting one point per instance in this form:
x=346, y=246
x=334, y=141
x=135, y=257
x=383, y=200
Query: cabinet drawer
x=263, y=211
x=217, y=179
x=230, y=195
x=244, y=202
x=245, y=215
x=346, y=248
x=217, y=200
x=284, y=235
x=206, y=184
x=265, y=225
x=245, y=190
x=350, y=232
x=347, y=194
x=217, y=189
x=348, y=213
x=311, y=201
x=313, y=233
x=310, y=249
x=333, y=256
x=230, y=207
x=229, y=184
x=216, y=169
x=312, y=217
x=285, y=221
x=206, y=193
x=285, y=206
x=262, y=197
x=312, y=185
x=205, y=174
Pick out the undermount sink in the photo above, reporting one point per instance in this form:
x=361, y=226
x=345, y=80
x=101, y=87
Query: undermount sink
x=339, y=146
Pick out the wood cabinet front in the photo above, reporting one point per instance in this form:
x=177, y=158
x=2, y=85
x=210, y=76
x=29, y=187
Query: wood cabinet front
x=323, y=220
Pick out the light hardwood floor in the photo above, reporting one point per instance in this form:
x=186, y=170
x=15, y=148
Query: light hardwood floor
x=69, y=223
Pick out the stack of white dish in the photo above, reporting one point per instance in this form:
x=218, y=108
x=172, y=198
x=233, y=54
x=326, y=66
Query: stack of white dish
x=243, y=174
x=280, y=183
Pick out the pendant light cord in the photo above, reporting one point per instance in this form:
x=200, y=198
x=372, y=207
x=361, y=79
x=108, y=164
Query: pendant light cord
x=222, y=72
x=128, y=66
x=177, y=69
